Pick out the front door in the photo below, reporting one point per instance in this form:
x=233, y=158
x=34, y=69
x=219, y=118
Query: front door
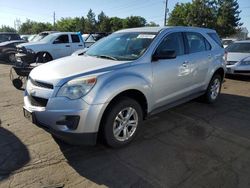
x=171, y=77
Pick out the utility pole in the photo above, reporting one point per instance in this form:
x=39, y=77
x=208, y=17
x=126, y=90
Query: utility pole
x=166, y=13
x=54, y=19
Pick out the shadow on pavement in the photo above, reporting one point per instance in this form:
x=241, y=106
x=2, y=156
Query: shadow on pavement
x=13, y=153
x=181, y=147
x=239, y=77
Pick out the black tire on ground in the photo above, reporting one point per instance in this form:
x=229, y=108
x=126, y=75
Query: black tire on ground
x=43, y=57
x=109, y=121
x=208, y=96
x=11, y=58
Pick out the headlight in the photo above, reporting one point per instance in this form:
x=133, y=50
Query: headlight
x=76, y=88
x=247, y=62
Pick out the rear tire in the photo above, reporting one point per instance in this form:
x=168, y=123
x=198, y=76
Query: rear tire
x=213, y=90
x=121, y=122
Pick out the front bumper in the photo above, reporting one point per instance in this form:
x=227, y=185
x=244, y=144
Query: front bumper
x=26, y=57
x=238, y=69
x=55, y=112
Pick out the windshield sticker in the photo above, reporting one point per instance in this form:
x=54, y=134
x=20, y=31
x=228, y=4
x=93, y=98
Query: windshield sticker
x=145, y=36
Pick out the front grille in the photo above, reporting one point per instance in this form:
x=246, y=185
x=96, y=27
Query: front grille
x=231, y=62
x=37, y=101
x=41, y=84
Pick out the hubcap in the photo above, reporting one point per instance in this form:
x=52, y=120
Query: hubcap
x=125, y=124
x=215, y=89
x=12, y=58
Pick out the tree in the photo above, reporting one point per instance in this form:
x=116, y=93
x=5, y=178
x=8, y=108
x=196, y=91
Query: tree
x=152, y=24
x=180, y=14
x=5, y=28
x=222, y=15
x=228, y=20
x=71, y=24
x=32, y=27
x=90, y=22
x=116, y=23
x=103, y=23
x=134, y=21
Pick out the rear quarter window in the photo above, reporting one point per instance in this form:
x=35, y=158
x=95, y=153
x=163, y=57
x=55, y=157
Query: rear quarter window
x=216, y=38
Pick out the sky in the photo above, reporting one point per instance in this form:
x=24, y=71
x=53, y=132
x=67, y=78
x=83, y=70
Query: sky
x=151, y=10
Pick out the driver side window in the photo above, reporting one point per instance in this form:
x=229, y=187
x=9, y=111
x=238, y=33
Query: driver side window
x=62, y=39
x=172, y=42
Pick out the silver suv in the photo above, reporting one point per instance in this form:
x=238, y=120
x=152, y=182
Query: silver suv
x=120, y=80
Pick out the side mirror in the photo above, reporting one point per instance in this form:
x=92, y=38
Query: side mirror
x=164, y=54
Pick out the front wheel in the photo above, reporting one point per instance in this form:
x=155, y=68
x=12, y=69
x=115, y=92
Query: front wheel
x=122, y=121
x=213, y=90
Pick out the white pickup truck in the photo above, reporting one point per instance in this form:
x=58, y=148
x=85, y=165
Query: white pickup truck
x=53, y=46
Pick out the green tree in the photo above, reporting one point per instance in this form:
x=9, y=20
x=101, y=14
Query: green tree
x=116, y=24
x=152, y=24
x=90, y=22
x=228, y=20
x=180, y=14
x=222, y=15
x=103, y=23
x=5, y=28
x=134, y=21
x=71, y=24
x=32, y=27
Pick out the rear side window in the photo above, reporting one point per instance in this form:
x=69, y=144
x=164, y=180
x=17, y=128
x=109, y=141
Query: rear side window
x=216, y=38
x=196, y=43
x=62, y=39
x=15, y=37
x=75, y=38
x=173, y=42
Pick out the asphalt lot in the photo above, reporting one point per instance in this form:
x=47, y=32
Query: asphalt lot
x=192, y=145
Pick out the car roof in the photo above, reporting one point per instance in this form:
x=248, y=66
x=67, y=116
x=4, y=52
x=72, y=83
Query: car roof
x=63, y=33
x=159, y=29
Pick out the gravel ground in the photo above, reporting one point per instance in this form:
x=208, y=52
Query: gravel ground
x=192, y=145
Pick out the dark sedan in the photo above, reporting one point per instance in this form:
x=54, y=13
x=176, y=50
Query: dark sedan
x=8, y=50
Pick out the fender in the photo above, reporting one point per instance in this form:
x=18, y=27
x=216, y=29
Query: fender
x=112, y=86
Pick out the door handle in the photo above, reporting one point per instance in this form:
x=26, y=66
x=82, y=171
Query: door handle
x=80, y=45
x=210, y=56
x=67, y=46
x=185, y=64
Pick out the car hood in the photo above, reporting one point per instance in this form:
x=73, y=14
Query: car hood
x=232, y=56
x=30, y=44
x=59, y=71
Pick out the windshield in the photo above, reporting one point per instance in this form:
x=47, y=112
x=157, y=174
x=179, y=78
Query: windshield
x=39, y=37
x=239, y=47
x=122, y=46
x=227, y=42
x=48, y=38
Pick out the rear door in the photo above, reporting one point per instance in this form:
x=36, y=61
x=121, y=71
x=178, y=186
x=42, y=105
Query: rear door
x=200, y=57
x=76, y=43
x=61, y=46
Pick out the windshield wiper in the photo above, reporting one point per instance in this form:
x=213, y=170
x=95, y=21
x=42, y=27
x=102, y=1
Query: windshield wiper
x=107, y=57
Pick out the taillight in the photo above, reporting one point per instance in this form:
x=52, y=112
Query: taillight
x=225, y=56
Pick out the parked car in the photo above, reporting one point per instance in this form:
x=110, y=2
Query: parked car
x=41, y=35
x=228, y=41
x=25, y=37
x=90, y=39
x=53, y=46
x=122, y=79
x=237, y=57
x=8, y=36
x=8, y=50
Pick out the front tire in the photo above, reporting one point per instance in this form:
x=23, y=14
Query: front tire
x=213, y=90
x=121, y=122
